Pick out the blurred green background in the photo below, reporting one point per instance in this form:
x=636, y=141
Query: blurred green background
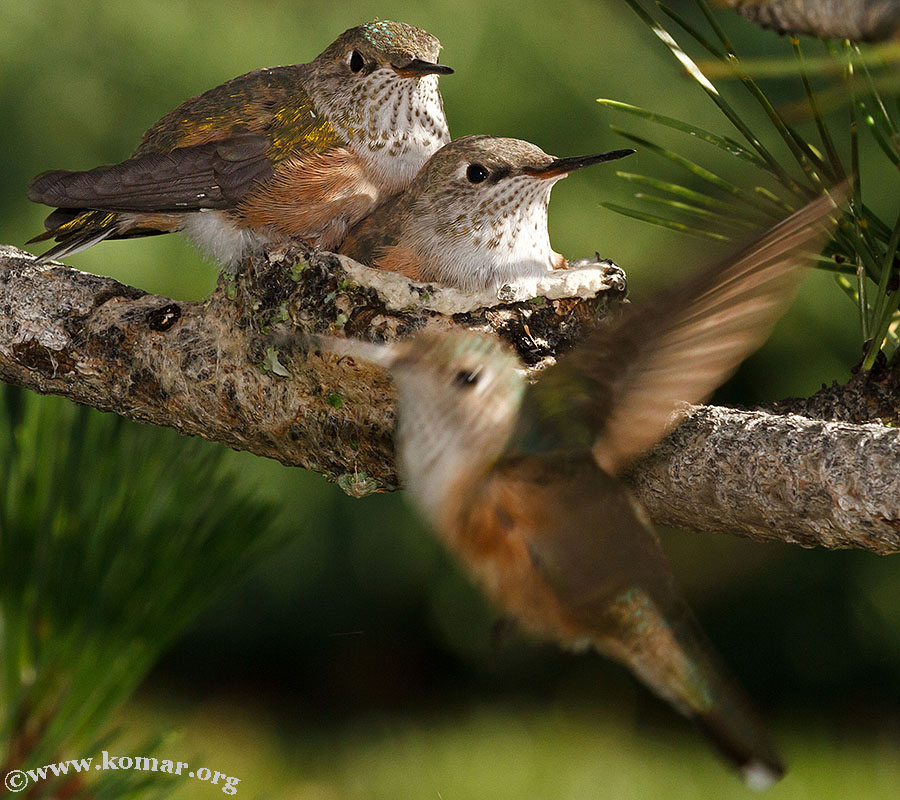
x=359, y=662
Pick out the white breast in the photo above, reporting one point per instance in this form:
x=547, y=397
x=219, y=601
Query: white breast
x=505, y=238
x=219, y=239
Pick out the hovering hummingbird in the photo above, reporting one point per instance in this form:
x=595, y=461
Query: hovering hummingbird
x=296, y=151
x=522, y=481
x=475, y=216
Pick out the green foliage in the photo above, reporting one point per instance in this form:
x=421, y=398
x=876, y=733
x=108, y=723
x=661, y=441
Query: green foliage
x=864, y=246
x=364, y=612
x=113, y=537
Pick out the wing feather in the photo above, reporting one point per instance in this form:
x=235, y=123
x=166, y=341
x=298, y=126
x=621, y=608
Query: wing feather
x=618, y=392
x=215, y=175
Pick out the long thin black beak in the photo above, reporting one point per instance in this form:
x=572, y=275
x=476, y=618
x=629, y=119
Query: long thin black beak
x=563, y=166
x=416, y=68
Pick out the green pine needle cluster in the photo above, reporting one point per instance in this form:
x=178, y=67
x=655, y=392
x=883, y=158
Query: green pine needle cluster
x=864, y=251
x=113, y=537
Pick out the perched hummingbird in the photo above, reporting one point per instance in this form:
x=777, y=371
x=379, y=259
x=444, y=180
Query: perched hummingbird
x=297, y=151
x=522, y=481
x=475, y=216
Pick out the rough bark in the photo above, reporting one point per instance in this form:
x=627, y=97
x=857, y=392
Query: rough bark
x=238, y=368
x=777, y=477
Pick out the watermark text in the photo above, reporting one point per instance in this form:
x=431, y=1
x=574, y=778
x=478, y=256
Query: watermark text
x=17, y=780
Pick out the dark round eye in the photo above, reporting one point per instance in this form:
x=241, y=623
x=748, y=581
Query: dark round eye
x=356, y=61
x=466, y=378
x=476, y=173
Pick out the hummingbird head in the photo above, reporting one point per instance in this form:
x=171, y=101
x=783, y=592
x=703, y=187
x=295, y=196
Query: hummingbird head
x=476, y=214
x=459, y=395
x=378, y=85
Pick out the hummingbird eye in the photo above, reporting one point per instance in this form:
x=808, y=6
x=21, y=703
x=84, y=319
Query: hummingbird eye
x=467, y=378
x=476, y=173
x=356, y=61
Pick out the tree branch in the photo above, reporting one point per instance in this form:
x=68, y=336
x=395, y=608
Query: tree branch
x=777, y=477
x=237, y=369
x=857, y=20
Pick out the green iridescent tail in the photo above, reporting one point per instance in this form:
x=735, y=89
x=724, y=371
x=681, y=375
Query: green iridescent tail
x=669, y=652
x=76, y=230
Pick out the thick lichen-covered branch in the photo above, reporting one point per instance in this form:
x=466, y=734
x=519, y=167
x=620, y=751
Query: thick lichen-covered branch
x=240, y=368
x=237, y=368
x=777, y=477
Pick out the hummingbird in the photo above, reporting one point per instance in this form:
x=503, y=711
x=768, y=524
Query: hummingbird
x=475, y=217
x=522, y=481
x=299, y=151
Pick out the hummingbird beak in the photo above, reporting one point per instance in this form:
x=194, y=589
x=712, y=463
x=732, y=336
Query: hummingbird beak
x=384, y=355
x=417, y=68
x=563, y=166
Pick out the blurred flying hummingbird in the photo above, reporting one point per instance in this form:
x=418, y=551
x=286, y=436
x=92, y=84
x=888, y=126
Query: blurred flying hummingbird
x=475, y=216
x=522, y=481
x=296, y=151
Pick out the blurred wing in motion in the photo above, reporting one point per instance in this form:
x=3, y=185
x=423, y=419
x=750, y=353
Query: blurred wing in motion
x=618, y=391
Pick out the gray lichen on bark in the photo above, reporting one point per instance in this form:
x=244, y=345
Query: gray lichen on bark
x=777, y=477
x=239, y=369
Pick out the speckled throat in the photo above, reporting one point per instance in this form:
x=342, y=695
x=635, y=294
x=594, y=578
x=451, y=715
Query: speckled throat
x=502, y=238
x=394, y=124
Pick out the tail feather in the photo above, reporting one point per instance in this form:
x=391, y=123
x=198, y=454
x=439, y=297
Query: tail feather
x=77, y=233
x=758, y=764
x=59, y=218
x=669, y=652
